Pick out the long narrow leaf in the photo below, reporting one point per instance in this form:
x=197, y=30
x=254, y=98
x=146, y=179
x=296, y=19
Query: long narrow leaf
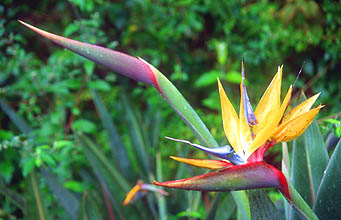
x=69, y=202
x=13, y=196
x=243, y=204
x=15, y=118
x=262, y=207
x=137, y=136
x=35, y=207
x=109, y=176
x=117, y=148
x=214, y=207
x=108, y=169
x=328, y=200
x=89, y=209
x=160, y=199
x=227, y=207
x=302, y=209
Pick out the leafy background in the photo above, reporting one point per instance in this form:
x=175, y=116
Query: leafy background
x=55, y=93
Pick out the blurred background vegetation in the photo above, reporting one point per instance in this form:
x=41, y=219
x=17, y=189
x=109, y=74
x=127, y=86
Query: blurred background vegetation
x=51, y=93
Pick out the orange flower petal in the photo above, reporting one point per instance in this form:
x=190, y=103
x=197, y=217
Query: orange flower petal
x=269, y=103
x=209, y=164
x=267, y=113
x=131, y=194
x=230, y=121
x=301, y=108
x=293, y=128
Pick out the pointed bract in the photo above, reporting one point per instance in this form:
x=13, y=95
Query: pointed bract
x=209, y=164
x=246, y=176
x=116, y=61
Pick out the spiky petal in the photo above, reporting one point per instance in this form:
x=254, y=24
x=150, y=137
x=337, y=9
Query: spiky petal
x=224, y=152
x=248, y=111
x=209, y=164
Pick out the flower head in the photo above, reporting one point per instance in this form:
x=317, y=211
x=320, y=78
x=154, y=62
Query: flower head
x=139, y=190
x=250, y=134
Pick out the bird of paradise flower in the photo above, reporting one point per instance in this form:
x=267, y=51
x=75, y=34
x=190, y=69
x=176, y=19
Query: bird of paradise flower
x=250, y=134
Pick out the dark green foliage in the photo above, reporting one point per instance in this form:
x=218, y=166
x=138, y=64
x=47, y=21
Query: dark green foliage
x=48, y=94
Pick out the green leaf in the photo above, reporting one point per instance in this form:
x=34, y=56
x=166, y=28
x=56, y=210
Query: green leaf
x=47, y=159
x=207, y=78
x=193, y=214
x=35, y=207
x=27, y=165
x=89, y=68
x=137, y=135
x=214, y=207
x=61, y=143
x=233, y=77
x=161, y=200
x=332, y=121
x=243, y=204
x=99, y=85
x=302, y=209
x=328, y=200
x=185, y=111
x=226, y=208
x=6, y=135
x=108, y=175
x=7, y=170
x=212, y=101
x=84, y=125
x=13, y=196
x=117, y=148
x=66, y=199
x=15, y=118
x=75, y=186
x=262, y=207
x=70, y=29
x=89, y=210
x=72, y=83
x=221, y=49
x=101, y=163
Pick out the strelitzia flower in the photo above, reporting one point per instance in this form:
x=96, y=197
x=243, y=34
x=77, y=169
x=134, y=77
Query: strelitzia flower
x=251, y=134
x=139, y=190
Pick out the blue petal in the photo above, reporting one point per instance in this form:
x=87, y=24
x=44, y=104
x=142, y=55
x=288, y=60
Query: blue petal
x=249, y=114
x=225, y=152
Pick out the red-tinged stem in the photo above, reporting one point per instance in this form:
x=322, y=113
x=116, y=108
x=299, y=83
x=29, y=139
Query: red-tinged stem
x=107, y=204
